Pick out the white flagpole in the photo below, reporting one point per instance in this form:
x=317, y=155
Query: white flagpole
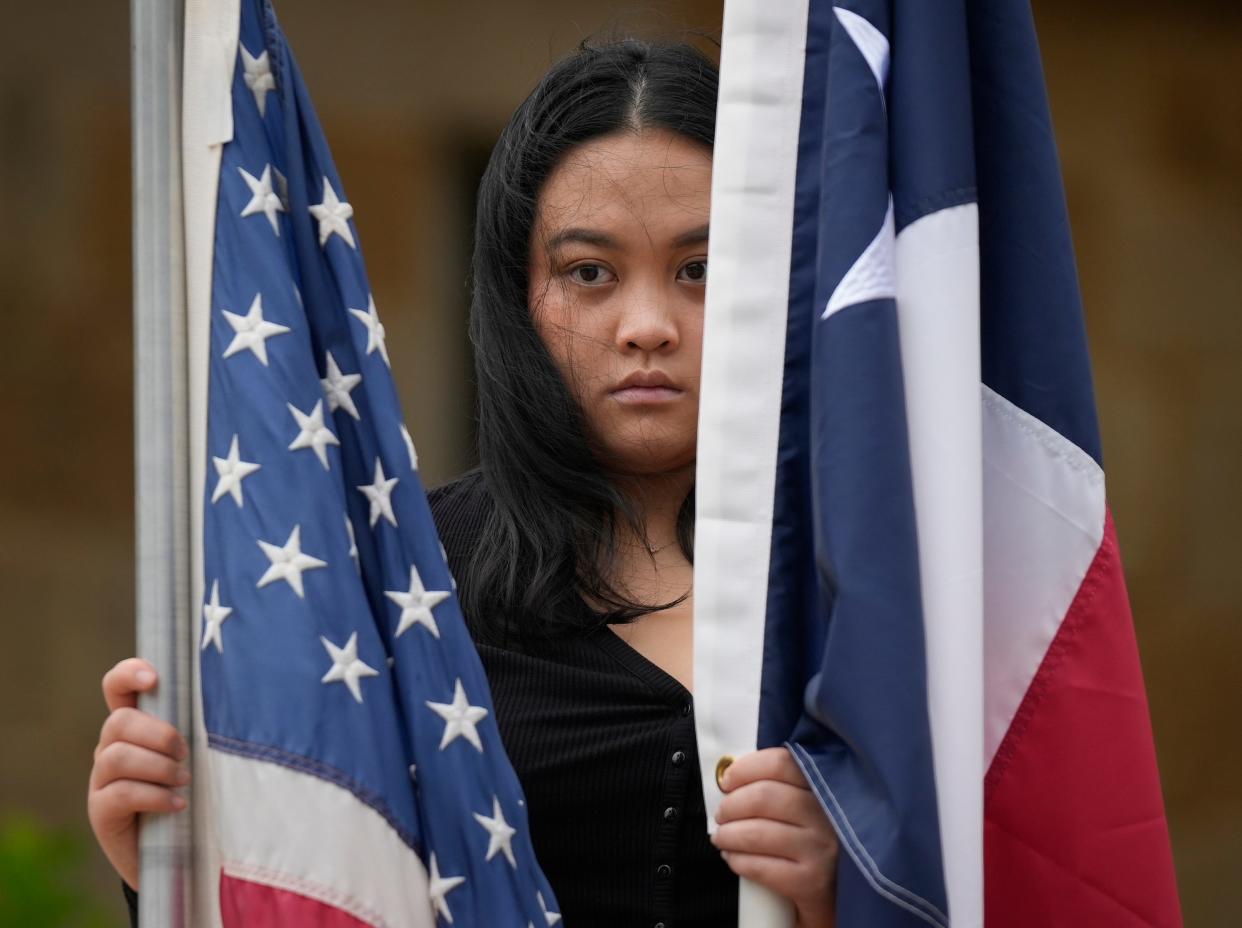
x=160, y=419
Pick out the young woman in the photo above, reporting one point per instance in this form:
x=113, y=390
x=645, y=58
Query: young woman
x=572, y=541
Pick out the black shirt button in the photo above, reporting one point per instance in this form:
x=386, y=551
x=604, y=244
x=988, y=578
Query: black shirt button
x=664, y=870
x=670, y=814
x=658, y=925
x=685, y=708
x=678, y=758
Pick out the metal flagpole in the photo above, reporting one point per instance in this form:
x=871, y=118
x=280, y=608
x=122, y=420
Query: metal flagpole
x=160, y=420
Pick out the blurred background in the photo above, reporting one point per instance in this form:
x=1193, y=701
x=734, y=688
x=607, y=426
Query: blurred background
x=1148, y=109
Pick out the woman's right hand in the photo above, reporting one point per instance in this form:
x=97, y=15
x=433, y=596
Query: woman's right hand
x=139, y=762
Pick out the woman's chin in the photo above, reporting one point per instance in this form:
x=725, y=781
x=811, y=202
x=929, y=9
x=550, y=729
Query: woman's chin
x=649, y=458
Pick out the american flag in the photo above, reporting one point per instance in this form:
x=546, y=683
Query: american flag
x=906, y=571
x=355, y=773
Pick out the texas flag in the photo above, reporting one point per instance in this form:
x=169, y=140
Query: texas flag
x=906, y=570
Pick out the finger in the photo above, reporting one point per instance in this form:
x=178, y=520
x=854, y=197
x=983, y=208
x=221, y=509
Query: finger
x=121, y=799
x=768, y=764
x=775, y=873
x=143, y=729
x=123, y=683
x=122, y=760
x=764, y=836
x=770, y=799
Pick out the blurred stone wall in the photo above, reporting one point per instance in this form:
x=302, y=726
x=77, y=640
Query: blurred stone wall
x=1147, y=101
x=1149, y=117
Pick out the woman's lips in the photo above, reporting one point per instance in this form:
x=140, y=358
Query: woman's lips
x=642, y=396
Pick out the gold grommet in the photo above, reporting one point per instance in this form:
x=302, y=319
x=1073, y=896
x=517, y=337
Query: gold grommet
x=721, y=766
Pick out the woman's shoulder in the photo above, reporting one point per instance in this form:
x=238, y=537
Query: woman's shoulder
x=459, y=509
x=465, y=491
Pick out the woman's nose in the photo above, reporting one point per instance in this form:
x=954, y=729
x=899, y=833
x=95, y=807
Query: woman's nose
x=647, y=323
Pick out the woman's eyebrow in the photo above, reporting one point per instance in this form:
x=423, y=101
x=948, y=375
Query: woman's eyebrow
x=695, y=236
x=585, y=236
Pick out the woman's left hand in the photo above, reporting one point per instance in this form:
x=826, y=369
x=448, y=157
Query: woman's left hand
x=773, y=831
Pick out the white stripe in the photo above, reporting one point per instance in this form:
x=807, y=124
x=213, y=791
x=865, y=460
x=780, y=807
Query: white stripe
x=1043, y=524
x=295, y=831
x=938, y=311
x=758, y=116
x=211, y=36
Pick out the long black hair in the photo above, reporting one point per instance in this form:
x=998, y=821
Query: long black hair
x=550, y=531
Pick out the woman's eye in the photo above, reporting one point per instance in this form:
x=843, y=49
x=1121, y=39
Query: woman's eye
x=590, y=274
x=695, y=271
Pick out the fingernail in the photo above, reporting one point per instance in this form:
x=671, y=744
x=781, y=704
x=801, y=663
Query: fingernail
x=183, y=777
x=183, y=750
x=144, y=677
x=178, y=803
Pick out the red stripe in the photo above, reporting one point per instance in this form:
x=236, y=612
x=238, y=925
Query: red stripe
x=245, y=904
x=1074, y=827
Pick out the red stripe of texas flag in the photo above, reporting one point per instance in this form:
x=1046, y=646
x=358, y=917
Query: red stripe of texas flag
x=1074, y=827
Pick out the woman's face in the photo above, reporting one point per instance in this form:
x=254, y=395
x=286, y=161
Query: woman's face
x=617, y=274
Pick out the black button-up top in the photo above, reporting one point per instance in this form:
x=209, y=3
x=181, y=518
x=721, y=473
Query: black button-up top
x=603, y=743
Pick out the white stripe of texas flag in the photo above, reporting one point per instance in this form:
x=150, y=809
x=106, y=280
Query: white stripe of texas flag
x=937, y=270
x=1044, y=511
